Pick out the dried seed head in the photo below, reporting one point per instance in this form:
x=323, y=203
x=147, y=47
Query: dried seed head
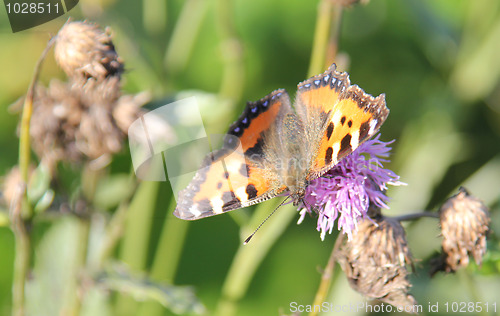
x=73, y=123
x=374, y=261
x=464, y=225
x=84, y=51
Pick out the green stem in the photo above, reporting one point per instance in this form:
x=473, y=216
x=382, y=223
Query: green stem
x=326, y=36
x=184, y=35
x=321, y=36
x=134, y=245
x=170, y=245
x=22, y=210
x=154, y=15
x=116, y=226
x=21, y=261
x=414, y=216
x=232, y=53
x=89, y=181
x=75, y=300
x=327, y=275
x=333, y=42
x=249, y=257
x=166, y=259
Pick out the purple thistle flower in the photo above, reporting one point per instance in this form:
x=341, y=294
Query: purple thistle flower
x=346, y=191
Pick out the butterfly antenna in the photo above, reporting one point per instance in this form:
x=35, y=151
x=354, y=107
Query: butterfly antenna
x=277, y=207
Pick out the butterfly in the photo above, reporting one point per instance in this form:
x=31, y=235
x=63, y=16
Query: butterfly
x=273, y=150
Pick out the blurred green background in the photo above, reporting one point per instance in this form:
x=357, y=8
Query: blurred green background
x=436, y=61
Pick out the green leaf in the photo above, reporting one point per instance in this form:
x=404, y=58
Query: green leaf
x=179, y=299
x=39, y=183
x=54, y=274
x=112, y=190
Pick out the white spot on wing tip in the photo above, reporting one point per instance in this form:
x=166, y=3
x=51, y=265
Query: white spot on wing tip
x=194, y=210
x=355, y=140
x=241, y=194
x=373, y=124
x=217, y=204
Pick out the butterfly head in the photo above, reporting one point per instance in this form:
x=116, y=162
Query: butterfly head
x=298, y=196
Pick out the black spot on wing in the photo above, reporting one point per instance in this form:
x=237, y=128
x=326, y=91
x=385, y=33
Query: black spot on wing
x=257, y=150
x=342, y=120
x=329, y=130
x=251, y=191
x=329, y=155
x=363, y=131
x=230, y=201
x=225, y=175
x=349, y=123
x=345, y=145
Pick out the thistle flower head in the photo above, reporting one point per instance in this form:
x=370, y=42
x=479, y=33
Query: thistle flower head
x=346, y=191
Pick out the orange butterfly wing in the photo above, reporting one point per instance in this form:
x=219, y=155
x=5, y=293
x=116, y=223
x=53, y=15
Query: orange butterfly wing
x=237, y=175
x=339, y=116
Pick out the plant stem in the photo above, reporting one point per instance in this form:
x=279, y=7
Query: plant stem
x=134, y=244
x=21, y=209
x=22, y=259
x=327, y=275
x=184, y=35
x=75, y=300
x=321, y=36
x=249, y=257
x=232, y=53
x=167, y=256
x=414, y=216
x=154, y=15
x=116, y=226
x=333, y=43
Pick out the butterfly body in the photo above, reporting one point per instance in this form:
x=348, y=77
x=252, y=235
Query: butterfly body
x=273, y=149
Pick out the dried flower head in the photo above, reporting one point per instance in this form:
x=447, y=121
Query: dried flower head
x=464, y=226
x=87, y=117
x=374, y=261
x=71, y=123
x=84, y=51
x=346, y=191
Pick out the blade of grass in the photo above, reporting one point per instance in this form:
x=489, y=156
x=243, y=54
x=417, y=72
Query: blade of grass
x=134, y=249
x=249, y=257
x=184, y=35
x=167, y=257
